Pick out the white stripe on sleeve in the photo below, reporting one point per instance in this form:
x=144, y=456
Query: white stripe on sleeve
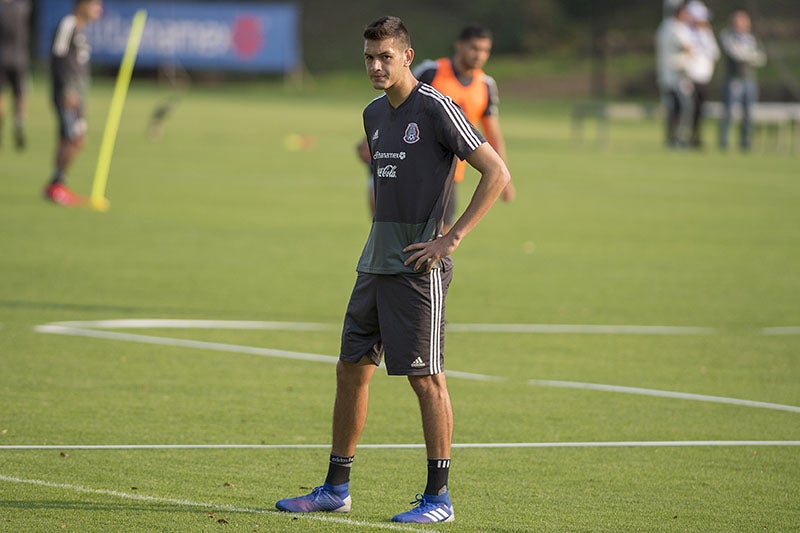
x=455, y=114
x=64, y=33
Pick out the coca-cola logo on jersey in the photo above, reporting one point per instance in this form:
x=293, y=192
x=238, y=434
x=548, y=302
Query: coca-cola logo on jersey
x=389, y=171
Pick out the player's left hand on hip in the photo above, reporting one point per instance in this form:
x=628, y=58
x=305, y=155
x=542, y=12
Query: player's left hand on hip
x=427, y=253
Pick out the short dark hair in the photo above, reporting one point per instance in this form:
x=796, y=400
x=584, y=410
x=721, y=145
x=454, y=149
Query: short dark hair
x=388, y=28
x=474, y=31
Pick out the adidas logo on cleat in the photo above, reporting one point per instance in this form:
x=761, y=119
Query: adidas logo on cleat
x=418, y=363
x=429, y=509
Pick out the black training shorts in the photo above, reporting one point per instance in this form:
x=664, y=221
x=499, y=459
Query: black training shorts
x=401, y=316
x=71, y=121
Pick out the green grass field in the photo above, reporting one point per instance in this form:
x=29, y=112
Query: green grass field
x=216, y=220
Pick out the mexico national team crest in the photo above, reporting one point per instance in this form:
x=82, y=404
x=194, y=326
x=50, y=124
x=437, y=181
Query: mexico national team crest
x=412, y=133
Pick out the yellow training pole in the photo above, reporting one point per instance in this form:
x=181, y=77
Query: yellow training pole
x=98, y=200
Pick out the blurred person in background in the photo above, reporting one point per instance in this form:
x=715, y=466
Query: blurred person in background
x=670, y=6
x=674, y=46
x=14, y=62
x=69, y=68
x=743, y=55
x=700, y=69
x=461, y=77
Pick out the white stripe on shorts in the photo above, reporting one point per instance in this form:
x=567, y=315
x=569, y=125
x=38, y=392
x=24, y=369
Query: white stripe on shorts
x=437, y=303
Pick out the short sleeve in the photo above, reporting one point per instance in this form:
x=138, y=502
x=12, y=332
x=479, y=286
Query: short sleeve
x=454, y=131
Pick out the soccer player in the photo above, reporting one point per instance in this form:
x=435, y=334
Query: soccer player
x=14, y=62
x=69, y=67
x=461, y=77
x=396, y=309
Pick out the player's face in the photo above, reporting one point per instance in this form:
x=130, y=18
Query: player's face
x=92, y=10
x=474, y=53
x=741, y=22
x=386, y=62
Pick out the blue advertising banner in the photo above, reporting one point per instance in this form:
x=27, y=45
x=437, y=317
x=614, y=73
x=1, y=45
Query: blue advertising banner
x=214, y=35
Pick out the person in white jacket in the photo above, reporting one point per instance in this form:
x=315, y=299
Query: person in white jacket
x=673, y=50
x=700, y=68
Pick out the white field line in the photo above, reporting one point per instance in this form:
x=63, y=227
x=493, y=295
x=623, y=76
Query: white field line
x=781, y=331
x=580, y=329
x=145, y=323
x=661, y=393
x=72, y=328
x=202, y=505
x=62, y=329
x=477, y=445
x=185, y=343
x=473, y=377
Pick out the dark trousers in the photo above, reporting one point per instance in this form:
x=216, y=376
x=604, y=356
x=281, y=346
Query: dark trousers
x=679, y=109
x=699, y=98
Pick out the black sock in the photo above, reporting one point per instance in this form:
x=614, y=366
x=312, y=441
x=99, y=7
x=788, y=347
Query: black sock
x=438, y=471
x=339, y=470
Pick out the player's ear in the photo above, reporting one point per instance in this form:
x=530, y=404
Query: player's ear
x=409, y=57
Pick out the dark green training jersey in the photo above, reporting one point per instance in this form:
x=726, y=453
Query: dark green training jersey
x=414, y=151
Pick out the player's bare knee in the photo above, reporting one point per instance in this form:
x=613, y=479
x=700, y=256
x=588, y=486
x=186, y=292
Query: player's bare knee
x=352, y=375
x=429, y=386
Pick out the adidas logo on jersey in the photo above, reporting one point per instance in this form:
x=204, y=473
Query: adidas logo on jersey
x=418, y=363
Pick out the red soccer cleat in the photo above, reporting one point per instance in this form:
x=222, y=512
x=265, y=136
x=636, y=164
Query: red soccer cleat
x=60, y=194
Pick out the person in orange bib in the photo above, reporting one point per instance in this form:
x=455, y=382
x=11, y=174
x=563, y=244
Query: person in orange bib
x=461, y=77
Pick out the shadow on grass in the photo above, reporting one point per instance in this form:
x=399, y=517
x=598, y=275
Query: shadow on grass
x=78, y=505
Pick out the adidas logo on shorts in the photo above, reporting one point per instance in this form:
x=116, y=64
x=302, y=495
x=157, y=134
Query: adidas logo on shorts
x=418, y=363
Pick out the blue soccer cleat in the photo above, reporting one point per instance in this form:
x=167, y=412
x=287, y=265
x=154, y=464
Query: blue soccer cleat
x=428, y=509
x=327, y=498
